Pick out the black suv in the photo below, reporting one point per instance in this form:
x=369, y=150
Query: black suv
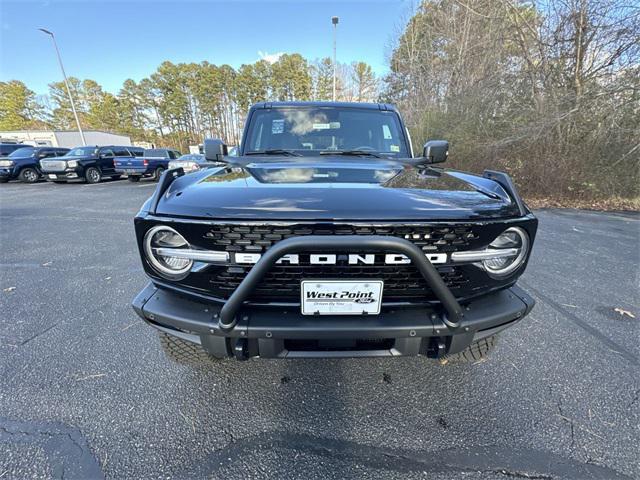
x=90, y=164
x=23, y=163
x=325, y=237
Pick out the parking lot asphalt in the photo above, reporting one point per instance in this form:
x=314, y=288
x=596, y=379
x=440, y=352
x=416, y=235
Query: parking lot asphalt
x=85, y=390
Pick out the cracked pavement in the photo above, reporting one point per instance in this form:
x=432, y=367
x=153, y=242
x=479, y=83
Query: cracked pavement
x=85, y=390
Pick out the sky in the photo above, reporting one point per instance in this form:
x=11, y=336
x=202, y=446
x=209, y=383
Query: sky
x=112, y=41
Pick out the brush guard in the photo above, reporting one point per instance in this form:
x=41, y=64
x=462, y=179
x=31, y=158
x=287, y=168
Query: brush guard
x=451, y=316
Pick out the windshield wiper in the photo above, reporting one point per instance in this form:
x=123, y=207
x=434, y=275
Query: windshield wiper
x=352, y=153
x=276, y=151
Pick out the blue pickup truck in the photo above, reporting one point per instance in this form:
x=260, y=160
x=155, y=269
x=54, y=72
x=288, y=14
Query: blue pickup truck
x=153, y=163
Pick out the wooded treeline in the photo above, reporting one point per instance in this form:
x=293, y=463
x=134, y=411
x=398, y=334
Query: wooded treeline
x=548, y=91
x=180, y=104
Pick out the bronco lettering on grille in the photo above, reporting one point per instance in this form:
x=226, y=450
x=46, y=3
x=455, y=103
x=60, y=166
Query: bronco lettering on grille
x=352, y=259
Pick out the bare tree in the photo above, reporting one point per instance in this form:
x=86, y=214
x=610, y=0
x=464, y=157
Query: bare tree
x=547, y=90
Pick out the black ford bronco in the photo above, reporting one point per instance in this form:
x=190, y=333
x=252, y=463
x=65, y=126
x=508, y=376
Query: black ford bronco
x=326, y=237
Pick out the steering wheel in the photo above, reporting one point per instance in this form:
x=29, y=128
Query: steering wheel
x=365, y=148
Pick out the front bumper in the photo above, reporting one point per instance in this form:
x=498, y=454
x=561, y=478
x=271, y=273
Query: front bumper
x=62, y=176
x=7, y=173
x=277, y=333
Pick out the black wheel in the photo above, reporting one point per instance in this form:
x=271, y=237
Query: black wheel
x=133, y=179
x=183, y=352
x=92, y=175
x=158, y=173
x=4, y=180
x=476, y=352
x=29, y=175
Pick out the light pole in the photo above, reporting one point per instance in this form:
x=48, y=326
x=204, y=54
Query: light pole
x=66, y=83
x=334, y=21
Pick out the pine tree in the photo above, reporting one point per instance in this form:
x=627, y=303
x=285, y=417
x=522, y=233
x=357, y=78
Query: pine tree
x=19, y=108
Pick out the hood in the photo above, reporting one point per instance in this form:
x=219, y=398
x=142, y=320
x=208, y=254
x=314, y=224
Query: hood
x=335, y=188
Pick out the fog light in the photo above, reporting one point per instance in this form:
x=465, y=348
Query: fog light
x=161, y=239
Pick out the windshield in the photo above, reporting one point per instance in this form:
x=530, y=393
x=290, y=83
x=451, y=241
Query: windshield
x=22, y=152
x=312, y=130
x=81, y=151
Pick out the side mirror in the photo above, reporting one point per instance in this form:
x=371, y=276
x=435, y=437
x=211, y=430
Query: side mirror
x=214, y=149
x=436, y=151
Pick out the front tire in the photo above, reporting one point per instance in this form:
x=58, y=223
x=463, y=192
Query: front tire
x=183, y=352
x=476, y=352
x=29, y=175
x=92, y=175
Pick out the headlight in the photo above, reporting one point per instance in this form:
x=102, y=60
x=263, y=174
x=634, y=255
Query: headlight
x=6, y=163
x=72, y=164
x=513, y=240
x=159, y=244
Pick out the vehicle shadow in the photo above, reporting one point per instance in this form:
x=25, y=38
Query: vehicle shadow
x=289, y=414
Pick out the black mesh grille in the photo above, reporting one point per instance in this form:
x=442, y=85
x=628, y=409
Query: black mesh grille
x=256, y=239
x=402, y=282
x=282, y=283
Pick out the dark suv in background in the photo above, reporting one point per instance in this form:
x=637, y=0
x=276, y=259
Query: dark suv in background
x=90, y=163
x=23, y=163
x=152, y=164
x=7, y=148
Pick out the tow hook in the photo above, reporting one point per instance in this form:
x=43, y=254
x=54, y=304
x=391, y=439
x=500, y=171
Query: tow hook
x=241, y=349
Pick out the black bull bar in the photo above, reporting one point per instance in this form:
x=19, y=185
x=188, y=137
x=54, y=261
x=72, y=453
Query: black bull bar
x=453, y=312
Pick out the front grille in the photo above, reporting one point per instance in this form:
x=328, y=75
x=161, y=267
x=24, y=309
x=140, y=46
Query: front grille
x=53, y=165
x=402, y=282
x=282, y=283
x=257, y=239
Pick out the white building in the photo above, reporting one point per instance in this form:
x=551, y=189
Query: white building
x=143, y=144
x=64, y=139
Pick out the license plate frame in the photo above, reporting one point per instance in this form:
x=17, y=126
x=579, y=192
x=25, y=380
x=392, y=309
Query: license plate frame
x=341, y=297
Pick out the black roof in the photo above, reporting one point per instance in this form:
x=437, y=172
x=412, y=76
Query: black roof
x=372, y=106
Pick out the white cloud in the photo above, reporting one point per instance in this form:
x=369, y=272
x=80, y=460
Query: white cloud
x=270, y=57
